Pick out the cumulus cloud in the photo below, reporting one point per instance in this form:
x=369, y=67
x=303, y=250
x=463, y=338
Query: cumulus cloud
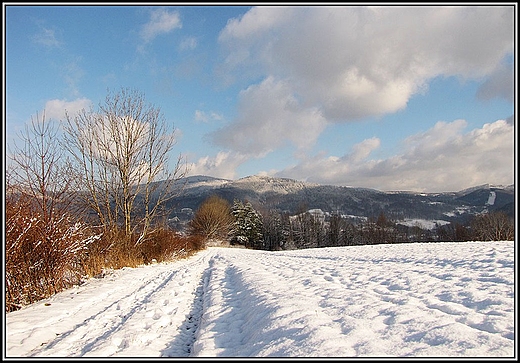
x=340, y=64
x=269, y=116
x=444, y=158
x=244, y=38
x=161, y=21
x=223, y=165
x=499, y=84
x=55, y=109
x=255, y=22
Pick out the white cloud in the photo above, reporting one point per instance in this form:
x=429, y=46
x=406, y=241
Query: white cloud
x=47, y=37
x=161, y=21
x=323, y=64
x=255, y=22
x=72, y=74
x=223, y=165
x=202, y=116
x=440, y=136
x=499, y=84
x=188, y=43
x=353, y=62
x=443, y=158
x=269, y=116
x=362, y=150
x=216, y=116
x=55, y=109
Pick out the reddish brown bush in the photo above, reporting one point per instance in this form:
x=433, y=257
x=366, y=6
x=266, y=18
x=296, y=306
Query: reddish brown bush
x=45, y=258
x=41, y=258
x=166, y=245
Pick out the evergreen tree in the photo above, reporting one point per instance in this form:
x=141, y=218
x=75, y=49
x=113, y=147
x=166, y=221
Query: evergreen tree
x=247, y=227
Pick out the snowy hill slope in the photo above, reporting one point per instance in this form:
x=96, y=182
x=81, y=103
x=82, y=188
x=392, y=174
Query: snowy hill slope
x=295, y=196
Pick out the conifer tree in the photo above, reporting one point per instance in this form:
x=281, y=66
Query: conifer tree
x=247, y=227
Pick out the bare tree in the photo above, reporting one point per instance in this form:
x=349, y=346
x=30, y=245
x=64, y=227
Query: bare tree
x=40, y=169
x=43, y=239
x=213, y=219
x=495, y=226
x=123, y=150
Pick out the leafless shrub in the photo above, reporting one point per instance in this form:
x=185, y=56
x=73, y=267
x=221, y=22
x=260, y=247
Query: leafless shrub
x=495, y=226
x=42, y=258
x=213, y=219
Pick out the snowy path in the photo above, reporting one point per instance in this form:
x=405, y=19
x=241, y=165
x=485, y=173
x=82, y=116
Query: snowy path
x=140, y=309
x=437, y=300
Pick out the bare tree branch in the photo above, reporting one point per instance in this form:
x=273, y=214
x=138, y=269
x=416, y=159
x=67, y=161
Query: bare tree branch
x=123, y=151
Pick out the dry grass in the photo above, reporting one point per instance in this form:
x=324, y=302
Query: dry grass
x=43, y=259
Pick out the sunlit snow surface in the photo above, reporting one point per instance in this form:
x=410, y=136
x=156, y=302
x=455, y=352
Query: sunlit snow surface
x=491, y=198
x=406, y=300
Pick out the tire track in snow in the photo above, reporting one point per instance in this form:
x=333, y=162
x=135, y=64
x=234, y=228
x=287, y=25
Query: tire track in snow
x=164, y=303
x=182, y=345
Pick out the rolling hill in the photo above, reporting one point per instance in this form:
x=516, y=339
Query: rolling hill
x=292, y=196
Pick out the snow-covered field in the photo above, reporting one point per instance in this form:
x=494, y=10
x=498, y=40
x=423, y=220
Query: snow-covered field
x=407, y=300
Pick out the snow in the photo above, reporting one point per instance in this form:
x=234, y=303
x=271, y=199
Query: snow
x=443, y=299
x=457, y=211
x=423, y=223
x=491, y=199
x=264, y=184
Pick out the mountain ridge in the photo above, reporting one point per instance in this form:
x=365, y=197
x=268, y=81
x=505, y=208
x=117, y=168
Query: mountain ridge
x=293, y=196
x=256, y=179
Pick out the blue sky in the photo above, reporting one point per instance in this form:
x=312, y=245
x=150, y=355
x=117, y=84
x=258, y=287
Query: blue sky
x=391, y=98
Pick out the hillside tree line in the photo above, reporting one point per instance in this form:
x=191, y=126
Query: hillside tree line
x=273, y=230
